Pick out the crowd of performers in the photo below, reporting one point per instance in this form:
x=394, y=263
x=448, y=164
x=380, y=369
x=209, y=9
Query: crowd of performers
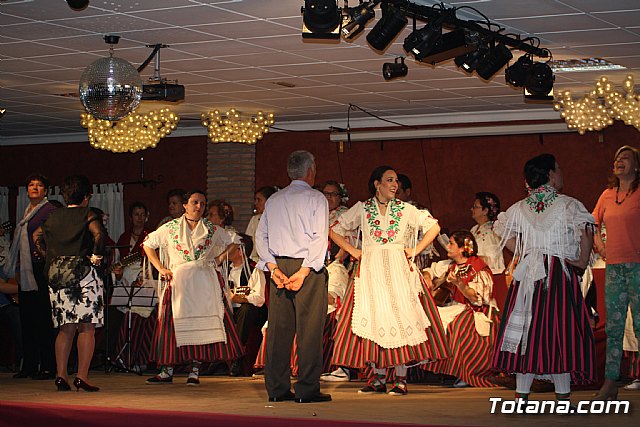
x=347, y=291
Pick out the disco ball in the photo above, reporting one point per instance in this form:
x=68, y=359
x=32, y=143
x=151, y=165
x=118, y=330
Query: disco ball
x=110, y=88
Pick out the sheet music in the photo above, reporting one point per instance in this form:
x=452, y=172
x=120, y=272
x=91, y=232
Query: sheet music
x=143, y=293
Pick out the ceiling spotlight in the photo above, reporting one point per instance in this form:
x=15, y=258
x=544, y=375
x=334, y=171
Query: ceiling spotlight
x=2, y=111
x=321, y=19
x=452, y=44
x=391, y=70
x=78, y=4
x=497, y=57
x=387, y=28
x=470, y=60
x=539, y=84
x=355, y=18
x=421, y=42
x=517, y=74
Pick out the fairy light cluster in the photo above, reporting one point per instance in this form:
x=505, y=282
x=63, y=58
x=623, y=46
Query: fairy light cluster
x=132, y=133
x=233, y=127
x=599, y=108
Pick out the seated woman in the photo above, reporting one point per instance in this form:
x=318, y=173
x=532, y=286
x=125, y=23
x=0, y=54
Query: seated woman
x=470, y=318
x=130, y=340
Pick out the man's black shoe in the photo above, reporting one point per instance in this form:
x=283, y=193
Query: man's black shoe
x=287, y=397
x=320, y=397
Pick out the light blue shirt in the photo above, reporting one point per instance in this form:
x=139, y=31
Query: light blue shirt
x=295, y=224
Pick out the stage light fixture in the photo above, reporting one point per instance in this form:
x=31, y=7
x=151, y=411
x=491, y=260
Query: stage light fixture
x=392, y=70
x=387, y=28
x=497, y=57
x=321, y=19
x=421, y=42
x=539, y=84
x=2, y=111
x=78, y=4
x=355, y=18
x=516, y=75
x=452, y=44
x=470, y=61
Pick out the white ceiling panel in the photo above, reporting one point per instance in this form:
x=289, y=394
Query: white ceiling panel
x=250, y=54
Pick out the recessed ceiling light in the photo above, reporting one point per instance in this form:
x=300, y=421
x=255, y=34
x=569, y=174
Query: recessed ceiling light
x=587, y=64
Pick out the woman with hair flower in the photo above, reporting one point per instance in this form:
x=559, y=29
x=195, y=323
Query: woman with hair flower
x=484, y=212
x=471, y=317
x=389, y=319
x=545, y=329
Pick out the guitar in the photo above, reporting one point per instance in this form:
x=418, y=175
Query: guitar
x=443, y=289
x=128, y=260
x=242, y=290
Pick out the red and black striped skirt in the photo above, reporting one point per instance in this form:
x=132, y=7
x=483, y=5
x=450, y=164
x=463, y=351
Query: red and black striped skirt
x=560, y=338
x=471, y=353
x=353, y=351
x=166, y=352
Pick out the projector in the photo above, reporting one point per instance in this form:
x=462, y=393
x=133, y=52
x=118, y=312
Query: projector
x=162, y=91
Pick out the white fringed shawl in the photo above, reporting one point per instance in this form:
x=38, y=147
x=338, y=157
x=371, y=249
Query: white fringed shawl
x=555, y=231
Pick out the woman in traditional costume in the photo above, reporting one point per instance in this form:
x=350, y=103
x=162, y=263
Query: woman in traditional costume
x=484, y=212
x=389, y=318
x=471, y=317
x=545, y=330
x=195, y=323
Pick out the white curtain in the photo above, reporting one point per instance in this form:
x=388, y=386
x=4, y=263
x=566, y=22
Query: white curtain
x=108, y=197
x=4, y=204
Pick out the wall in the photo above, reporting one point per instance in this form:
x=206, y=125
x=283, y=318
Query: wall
x=445, y=172
x=177, y=162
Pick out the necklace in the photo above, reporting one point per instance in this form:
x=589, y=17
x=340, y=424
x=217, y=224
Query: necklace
x=625, y=196
x=381, y=204
x=192, y=220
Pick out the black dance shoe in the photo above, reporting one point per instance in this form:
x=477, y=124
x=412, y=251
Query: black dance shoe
x=287, y=397
x=81, y=384
x=62, y=384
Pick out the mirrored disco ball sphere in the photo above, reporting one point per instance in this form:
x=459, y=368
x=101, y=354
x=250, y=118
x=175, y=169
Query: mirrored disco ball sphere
x=110, y=88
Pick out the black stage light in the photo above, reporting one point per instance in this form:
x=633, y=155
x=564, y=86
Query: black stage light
x=452, y=44
x=499, y=55
x=469, y=61
x=421, y=42
x=387, y=28
x=321, y=19
x=391, y=70
x=539, y=85
x=355, y=18
x=516, y=74
x=78, y=4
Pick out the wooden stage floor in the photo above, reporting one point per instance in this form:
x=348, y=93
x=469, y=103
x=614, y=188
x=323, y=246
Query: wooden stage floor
x=424, y=405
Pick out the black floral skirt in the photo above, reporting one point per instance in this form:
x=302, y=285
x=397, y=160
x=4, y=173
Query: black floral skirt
x=81, y=304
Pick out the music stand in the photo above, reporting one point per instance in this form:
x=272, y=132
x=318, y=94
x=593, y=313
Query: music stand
x=129, y=296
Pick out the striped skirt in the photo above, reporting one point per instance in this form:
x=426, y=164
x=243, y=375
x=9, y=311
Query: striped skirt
x=470, y=353
x=327, y=348
x=560, y=337
x=142, y=331
x=353, y=351
x=166, y=352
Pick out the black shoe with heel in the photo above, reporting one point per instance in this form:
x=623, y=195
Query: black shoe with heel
x=62, y=384
x=79, y=383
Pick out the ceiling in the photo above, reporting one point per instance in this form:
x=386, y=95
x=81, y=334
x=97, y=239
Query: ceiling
x=249, y=54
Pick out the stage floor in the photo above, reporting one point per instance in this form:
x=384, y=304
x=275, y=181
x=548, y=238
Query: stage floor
x=424, y=405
